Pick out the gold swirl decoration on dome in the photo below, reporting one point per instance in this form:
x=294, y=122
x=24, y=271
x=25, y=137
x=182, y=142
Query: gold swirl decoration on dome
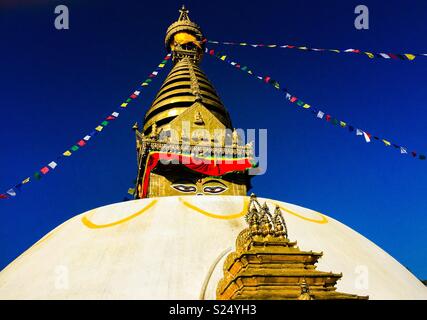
x=87, y=218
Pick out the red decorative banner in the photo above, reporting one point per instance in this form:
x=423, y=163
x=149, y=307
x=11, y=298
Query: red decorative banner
x=209, y=166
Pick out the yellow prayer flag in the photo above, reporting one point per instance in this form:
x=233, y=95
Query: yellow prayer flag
x=99, y=128
x=25, y=181
x=370, y=55
x=124, y=105
x=306, y=106
x=335, y=50
x=223, y=58
x=131, y=191
x=144, y=84
x=387, y=143
x=410, y=56
x=67, y=153
x=161, y=65
x=343, y=124
x=243, y=44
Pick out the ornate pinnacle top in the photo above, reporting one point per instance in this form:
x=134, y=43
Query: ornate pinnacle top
x=184, y=38
x=183, y=13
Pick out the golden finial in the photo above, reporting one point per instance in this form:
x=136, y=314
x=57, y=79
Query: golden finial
x=183, y=13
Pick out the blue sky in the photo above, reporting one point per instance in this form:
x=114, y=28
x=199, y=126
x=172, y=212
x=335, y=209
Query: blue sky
x=56, y=86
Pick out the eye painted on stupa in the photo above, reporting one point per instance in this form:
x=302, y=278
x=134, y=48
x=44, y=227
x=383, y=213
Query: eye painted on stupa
x=214, y=187
x=184, y=187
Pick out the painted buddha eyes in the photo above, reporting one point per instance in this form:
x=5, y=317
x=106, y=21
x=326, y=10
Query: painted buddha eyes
x=214, y=189
x=184, y=188
x=208, y=187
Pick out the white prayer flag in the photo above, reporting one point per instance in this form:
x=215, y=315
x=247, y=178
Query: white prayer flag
x=320, y=114
x=403, y=150
x=115, y=114
x=359, y=132
x=385, y=55
x=11, y=192
x=53, y=164
x=87, y=138
x=366, y=137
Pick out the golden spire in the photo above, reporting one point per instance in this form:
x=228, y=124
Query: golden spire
x=184, y=38
x=183, y=13
x=187, y=117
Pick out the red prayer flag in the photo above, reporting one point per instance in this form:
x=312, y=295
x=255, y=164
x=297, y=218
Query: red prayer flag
x=133, y=96
x=293, y=99
x=3, y=196
x=393, y=56
x=266, y=79
x=81, y=143
x=167, y=57
x=211, y=52
x=44, y=170
x=414, y=154
x=328, y=117
x=110, y=118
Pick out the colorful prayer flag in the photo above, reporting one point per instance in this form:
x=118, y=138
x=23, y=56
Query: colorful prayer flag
x=53, y=165
x=320, y=114
x=44, y=170
x=26, y=180
x=81, y=143
x=115, y=114
x=99, y=128
x=67, y=153
x=11, y=192
x=367, y=136
x=74, y=148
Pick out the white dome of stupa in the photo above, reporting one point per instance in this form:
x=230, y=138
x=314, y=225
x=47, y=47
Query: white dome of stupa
x=174, y=248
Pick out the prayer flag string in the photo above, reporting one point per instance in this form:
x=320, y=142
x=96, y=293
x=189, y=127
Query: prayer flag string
x=318, y=114
x=369, y=54
x=12, y=192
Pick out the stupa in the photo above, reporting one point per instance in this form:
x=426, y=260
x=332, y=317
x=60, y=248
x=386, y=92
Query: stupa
x=192, y=231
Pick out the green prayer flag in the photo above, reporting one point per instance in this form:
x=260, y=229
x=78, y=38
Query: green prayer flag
x=37, y=175
x=164, y=61
x=334, y=121
x=129, y=100
x=104, y=123
x=148, y=80
x=300, y=103
x=74, y=148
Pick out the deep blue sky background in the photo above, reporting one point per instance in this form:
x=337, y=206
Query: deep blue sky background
x=56, y=86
